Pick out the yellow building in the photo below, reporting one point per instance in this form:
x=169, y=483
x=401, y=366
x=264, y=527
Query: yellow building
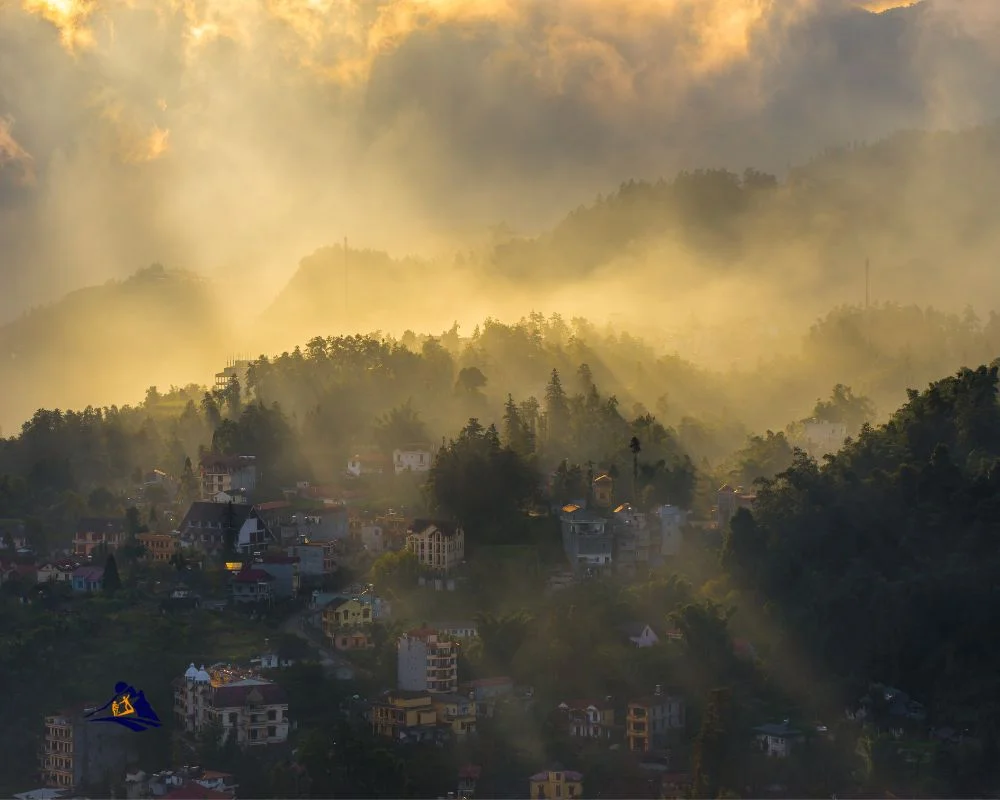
x=402, y=715
x=457, y=711
x=437, y=545
x=556, y=782
x=348, y=614
x=159, y=546
x=651, y=720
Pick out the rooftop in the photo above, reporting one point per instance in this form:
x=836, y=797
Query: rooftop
x=447, y=528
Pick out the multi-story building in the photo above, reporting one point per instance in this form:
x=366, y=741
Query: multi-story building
x=159, y=546
x=206, y=525
x=238, y=370
x=285, y=571
x=407, y=716
x=672, y=521
x=588, y=544
x=324, y=523
x=317, y=561
x=252, y=710
x=437, y=545
x=412, y=458
x=427, y=663
x=632, y=541
x=92, y=532
x=555, y=783
x=233, y=475
x=729, y=501
x=457, y=711
x=588, y=719
x=77, y=753
x=368, y=462
x=650, y=720
x=252, y=586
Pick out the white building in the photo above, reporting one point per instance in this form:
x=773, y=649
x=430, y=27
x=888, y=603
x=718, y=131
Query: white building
x=427, y=663
x=672, y=521
x=412, y=458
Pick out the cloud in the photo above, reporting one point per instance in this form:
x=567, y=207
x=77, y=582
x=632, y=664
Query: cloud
x=245, y=133
x=13, y=157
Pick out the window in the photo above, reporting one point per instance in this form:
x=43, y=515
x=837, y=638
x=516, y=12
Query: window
x=232, y=718
x=271, y=731
x=272, y=714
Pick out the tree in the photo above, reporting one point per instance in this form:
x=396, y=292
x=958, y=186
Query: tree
x=846, y=407
x=397, y=570
x=516, y=433
x=400, y=427
x=556, y=408
x=190, y=488
x=715, y=753
x=102, y=501
x=470, y=381
x=112, y=582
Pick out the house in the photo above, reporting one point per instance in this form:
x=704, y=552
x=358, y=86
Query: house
x=285, y=571
x=729, y=501
x=632, y=540
x=76, y=754
x=468, y=777
x=56, y=571
x=317, y=561
x=427, y=663
x=778, y=740
x=588, y=719
x=159, y=546
x=252, y=710
x=372, y=539
x=411, y=458
x=457, y=630
x=88, y=579
x=672, y=521
x=640, y=634
x=457, y=711
x=349, y=613
x=407, y=716
x=438, y=545
x=650, y=720
x=603, y=490
x=92, y=532
x=234, y=475
x=251, y=585
x=23, y=574
x=555, y=782
x=206, y=525
x=367, y=462
x=586, y=541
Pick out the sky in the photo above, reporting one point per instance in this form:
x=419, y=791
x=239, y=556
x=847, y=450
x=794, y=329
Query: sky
x=233, y=137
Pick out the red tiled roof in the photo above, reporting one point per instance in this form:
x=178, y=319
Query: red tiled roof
x=421, y=633
x=274, y=505
x=195, y=791
x=253, y=576
x=279, y=558
x=584, y=704
x=235, y=696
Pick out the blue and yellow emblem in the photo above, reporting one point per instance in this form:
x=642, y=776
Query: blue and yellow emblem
x=129, y=708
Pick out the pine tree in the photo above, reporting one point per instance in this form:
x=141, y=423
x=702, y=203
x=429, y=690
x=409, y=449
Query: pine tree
x=556, y=408
x=111, y=579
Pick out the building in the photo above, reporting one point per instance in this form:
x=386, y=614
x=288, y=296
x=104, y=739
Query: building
x=555, y=782
x=367, y=462
x=427, y=663
x=238, y=370
x=468, y=777
x=352, y=640
x=650, y=720
x=285, y=571
x=372, y=539
x=234, y=475
x=407, y=716
x=457, y=711
x=640, y=634
x=92, y=532
x=252, y=585
x=159, y=546
x=603, y=489
x=778, y=740
x=350, y=613
x=632, y=540
x=253, y=710
x=586, y=541
x=326, y=523
x=412, y=458
x=588, y=719
x=206, y=525
x=317, y=561
x=823, y=438
x=57, y=571
x=437, y=545
x=88, y=579
x=672, y=521
x=77, y=753
x=486, y=692
x=466, y=629
x=729, y=501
